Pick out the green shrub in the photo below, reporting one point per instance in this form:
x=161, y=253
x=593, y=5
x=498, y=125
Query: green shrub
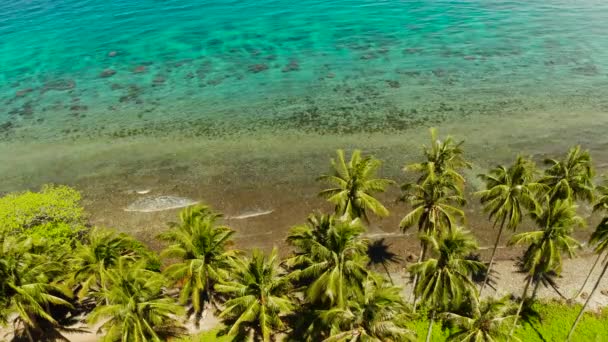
x=22, y=210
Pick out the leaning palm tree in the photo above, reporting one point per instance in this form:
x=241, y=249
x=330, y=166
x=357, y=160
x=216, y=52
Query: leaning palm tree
x=509, y=192
x=377, y=314
x=556, y=222
x=487, y=324
x=571, y=177
x=200, y=247
x=601, y=204
x=330, y=259
x=445, y=279
x=100, y=251
x=258, y=298
x=28, y=292
x=354, y=185
x=137, y=308
x=441, y=158
x=599, y=238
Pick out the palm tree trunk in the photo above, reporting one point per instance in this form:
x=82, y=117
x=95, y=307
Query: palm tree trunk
x=388, y=273
x=588, y=276
x=430, y=329
x=420, y=258
x=521, y=305
x=485, y=280
x=580, y=314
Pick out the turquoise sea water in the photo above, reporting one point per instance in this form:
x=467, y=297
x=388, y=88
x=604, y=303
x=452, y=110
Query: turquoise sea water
x=84, y=68
x=240, y=104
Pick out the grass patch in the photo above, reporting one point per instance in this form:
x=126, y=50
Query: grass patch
x=554, y=322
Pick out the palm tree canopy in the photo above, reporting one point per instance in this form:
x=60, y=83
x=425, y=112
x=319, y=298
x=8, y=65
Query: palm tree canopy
x=201, y=246
x=258, y=293
x=510, y=191
x=489, y=322
x=377, y=314
x=27, y=285
x=354, y=184
x=133, y=307
x=571, y=177
x=445, y=278
x=102, y=250
x=435, y=204
x=330, y=257
x=556, y=221
x=442, y=158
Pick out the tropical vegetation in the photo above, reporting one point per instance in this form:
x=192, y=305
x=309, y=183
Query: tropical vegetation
x=60, y=275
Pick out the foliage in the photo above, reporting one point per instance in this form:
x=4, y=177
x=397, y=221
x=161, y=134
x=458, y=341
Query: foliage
x=377, y=314
x=445, y=278
x=100, y=251
x=330, y=258
x=28, y=289
x=200, y=245
x=53, y=204
x=258, y=298
x=487, y=323
x=571, y=177
x=442, y=158
x=545, y=246
x=135, y=308
x=354, y=186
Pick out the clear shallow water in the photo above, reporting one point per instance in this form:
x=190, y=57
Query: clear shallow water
x=72, y=69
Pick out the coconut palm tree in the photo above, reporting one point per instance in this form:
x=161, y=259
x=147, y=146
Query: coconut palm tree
x=28, y=291
x=435, y=206
x=100, y=251
x=258, y=298
x=571, y=177
x=509, y=192
x=330, y=258
x=599, y=238
x=375, y=315
x=601, y=204
x=137, y=309
x=445, y=278
x=487, y=324
x=556, y=222
x=201, y=247
x=354, y=185
x=443, y=158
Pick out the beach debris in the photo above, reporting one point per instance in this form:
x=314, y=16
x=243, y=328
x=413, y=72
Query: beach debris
x=143, y=191
x=59, y=85
x=112, y=54
x=250, y=214
x=255, y=68
x=159, y=203
x=107, y=73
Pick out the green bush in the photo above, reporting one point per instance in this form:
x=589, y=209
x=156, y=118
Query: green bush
x=22, y=210
x=54, y=215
